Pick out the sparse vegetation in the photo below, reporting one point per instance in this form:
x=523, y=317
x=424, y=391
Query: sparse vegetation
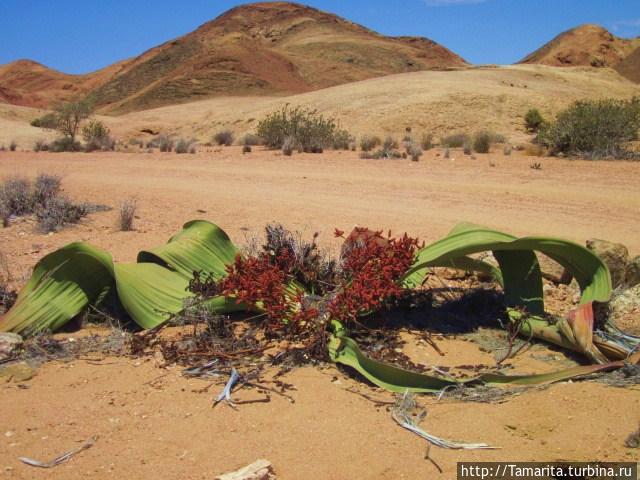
x=48, y=121
x=246, y=149
x=426, y=141
x=184, y=145
x=369, y=142
x=447, y=153
x=288, y=145
x=224, y=137
x=535, y=166
x=163, y=142
x=633, y=440
x=310, y=131
x=457, y=140
x=12, y=146
x=126, y=214
x=42, y=198
x=389, y=150
x=97, y=136
x=594, y=129
x=65, y=144
x=40, y=146
x=533, y=120
x=482, y=142
x=413, y=150
x=342, y=140
x=466, y=148
x=506, y=150
x=251, y=140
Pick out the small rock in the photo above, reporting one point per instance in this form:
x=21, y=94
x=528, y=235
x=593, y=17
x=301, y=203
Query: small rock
x=10, y=344
x=258, y=470
x=632, y=274
x=615, y=255
x=17, y=372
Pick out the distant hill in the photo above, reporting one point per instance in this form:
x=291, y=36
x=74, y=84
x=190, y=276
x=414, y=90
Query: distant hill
x=255, y=49
x=590, y=46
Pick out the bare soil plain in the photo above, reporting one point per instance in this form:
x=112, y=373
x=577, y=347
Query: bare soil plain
x=154, y=423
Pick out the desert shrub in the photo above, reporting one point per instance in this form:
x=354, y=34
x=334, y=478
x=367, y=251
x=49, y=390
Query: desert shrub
x=47, y=121
x=288, y=146
x=224, y=137
x=466, y=148
x=533, y=120
x=390, y=144
x=65, y=144
x=457, y=140
x=40, y=146
x=57, y=212
x=45, y=188
x=447, y=153
x=251, y=140
x=482, y=142
x=12, y=146
x=311, y=131
x=126, y=214
x=414, y=151
x=246, y=149
x=16, y=196
x=163, y=142
x=369, y=142
x=593, y=128
x=342, y=140
x=535, y=166
x=19, y=196
x=426, y=141
x=184, y=145
x=506, y=150
x=136, y=142
x=97, y=136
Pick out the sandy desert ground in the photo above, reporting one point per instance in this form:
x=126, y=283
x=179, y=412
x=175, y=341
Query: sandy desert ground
x=153, y=423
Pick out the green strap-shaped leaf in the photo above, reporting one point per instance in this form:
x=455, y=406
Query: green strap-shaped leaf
x=199, y=246
x=68, y=280
x=345, y=351
x=62, y=285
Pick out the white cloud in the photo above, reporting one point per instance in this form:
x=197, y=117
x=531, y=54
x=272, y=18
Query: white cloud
x=633, y=23
x=449, y=3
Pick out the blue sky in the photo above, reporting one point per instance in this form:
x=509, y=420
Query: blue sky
x=78, y=36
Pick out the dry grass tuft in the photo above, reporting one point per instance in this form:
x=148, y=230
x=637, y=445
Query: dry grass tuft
x=126, y=214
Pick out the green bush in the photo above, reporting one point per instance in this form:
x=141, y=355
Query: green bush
x=96, y=136
x=342, y=140
x=65, y=144
x=369, y=142
x=482, y=142
x=40, y=146
x=457, y=140
x=224, y=137
x=48, y=121
x=311, y=131
x=594, y=128
x=533, y=120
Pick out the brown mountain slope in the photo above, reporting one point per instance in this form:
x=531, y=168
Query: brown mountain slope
x=261, y=48
x=266, y=48
x=587, y=45
x=31, y=84
x=630, y=66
